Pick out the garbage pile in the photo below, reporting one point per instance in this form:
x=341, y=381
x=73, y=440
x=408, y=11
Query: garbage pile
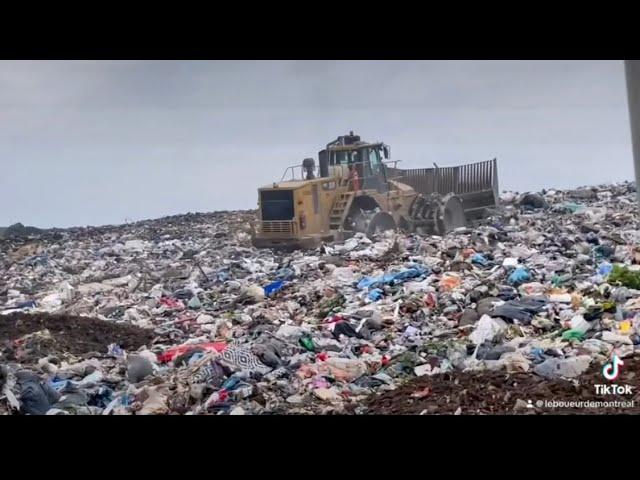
x=17, y=230
x=180, y=315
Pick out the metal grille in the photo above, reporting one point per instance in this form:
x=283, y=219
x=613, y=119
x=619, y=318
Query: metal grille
x=472, y=178
x=476, y=183
x=278, y=227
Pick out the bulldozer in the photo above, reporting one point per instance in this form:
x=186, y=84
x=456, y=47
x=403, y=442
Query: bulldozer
x=356, y=187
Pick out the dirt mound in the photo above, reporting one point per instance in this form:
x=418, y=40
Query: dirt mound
x=23, y=335
x=497, y=393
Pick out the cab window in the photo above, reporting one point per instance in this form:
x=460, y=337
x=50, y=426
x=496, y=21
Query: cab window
x=339, y=158
x=374, y=160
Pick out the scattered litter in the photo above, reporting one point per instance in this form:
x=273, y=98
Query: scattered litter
x=181, y=315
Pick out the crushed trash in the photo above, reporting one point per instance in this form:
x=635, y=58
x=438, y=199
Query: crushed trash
x=181, y=315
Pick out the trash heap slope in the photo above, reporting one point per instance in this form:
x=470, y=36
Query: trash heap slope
x=181, y=315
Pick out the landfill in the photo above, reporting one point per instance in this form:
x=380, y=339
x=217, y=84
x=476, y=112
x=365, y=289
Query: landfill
x=181, y=315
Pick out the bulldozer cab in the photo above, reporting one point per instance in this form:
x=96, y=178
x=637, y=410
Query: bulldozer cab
x=348, y=153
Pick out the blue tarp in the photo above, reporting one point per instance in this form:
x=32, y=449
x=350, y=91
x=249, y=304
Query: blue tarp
x=414, y=271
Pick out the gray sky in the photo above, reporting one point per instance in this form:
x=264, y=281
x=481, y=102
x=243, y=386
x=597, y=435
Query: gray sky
x=97, y=142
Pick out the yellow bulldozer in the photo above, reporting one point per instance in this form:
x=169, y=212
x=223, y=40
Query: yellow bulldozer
x=358, y=188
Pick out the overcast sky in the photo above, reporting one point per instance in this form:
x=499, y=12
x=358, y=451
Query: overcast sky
x=98, y=142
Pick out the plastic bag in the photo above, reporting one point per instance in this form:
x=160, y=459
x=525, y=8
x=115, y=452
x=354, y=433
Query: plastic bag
x=519, y=275
x=487, y=329
x=375, y=294
x=273, y=287
x=450, y=281
x=479, y=259
x=605, y=268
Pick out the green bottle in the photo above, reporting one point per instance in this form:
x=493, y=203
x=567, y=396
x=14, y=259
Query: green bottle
x=307, y=342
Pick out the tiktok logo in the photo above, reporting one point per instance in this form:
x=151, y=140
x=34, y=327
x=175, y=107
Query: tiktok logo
x=612, y=370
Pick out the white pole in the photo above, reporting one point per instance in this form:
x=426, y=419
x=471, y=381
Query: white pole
x=632, y=70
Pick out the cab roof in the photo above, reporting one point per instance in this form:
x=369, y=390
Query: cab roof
x=354, y=146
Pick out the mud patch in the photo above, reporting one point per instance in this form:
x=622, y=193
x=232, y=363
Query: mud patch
x=497, y=393
x=31, y=336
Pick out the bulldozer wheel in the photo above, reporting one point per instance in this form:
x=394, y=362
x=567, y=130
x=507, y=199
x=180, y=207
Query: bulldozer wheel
x=416, y=207
x=452, y=213
x=404, y=225
x=380, y=222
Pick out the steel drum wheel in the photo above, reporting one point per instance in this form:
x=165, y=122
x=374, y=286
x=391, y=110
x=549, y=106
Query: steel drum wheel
x=452, y=213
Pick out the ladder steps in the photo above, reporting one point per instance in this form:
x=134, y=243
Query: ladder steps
x=338, y=211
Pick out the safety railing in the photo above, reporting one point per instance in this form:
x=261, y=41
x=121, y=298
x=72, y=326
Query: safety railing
x=343, y=170
x=293, y=169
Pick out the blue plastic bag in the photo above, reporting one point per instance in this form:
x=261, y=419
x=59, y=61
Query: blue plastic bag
x=366, y=282
x=519, y=275
x=376, y=294
x=273, y=287
x=375, y=282
x=538, y=354
x=605, y=268
x=412, y=272
x=393, y=278
x=479, y=259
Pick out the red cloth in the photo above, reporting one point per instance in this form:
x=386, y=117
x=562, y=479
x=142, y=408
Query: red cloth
x=174, y=352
